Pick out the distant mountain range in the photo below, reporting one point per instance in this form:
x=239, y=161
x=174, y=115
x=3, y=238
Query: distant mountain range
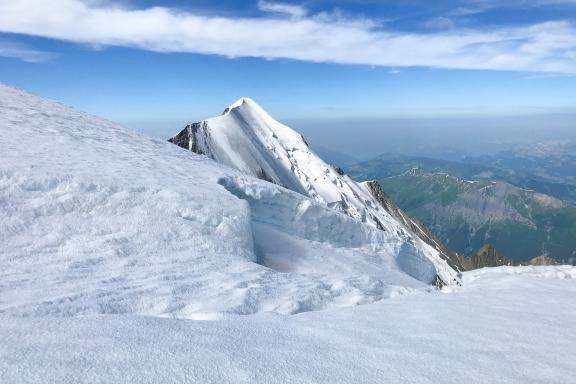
x=548, y=168
x=333, y=157
x=468, y=214
x=394, y=164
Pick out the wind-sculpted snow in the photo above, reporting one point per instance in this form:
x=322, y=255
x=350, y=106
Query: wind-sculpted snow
x=560, y=272
x=294, y=215
x=97, y=219
x=513, y=328
x=248, y=139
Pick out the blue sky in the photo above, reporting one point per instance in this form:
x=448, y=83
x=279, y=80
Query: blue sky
x=155, y=65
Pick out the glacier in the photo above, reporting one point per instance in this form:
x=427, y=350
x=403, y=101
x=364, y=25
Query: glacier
x=127, y=259
x=121, y=223
x=506, y=325
x=245, y=137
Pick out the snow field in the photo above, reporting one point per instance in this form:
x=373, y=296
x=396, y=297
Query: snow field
x=100, y=220
x=507, y=328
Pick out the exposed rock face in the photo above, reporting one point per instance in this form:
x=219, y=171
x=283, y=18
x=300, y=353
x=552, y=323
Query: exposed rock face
x=419, y=229
x=466, y=215
x=188, y=138
x=488, y=256
x=248, y=139
x=339, y=171
x=544, y=260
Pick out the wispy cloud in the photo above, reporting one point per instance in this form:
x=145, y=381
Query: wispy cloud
x=471, y=7
x=440, y=23
x=24, y=53
x=288, y=9
x=467, y=11
x=543, y=47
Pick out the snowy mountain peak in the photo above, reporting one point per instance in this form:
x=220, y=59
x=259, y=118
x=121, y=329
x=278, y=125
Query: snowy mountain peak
x=247, y=105
x=236, y=104
x=248, y=139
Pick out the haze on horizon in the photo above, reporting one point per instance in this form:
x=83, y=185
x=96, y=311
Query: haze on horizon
x=471, y=76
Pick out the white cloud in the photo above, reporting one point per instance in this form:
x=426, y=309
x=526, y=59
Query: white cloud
x=440, y=23
x=288, y=9
x=22, y=52
x=467, y=11
x=544, y=47
x=478, y=6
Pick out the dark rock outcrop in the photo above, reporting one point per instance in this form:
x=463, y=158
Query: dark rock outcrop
x=488, y=256
x=188, y=137
x=544, y=260
x=416, y=227
x=339, y=170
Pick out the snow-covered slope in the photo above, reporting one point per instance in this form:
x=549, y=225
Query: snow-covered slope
x=248, y=139
x=98, y=219
x=111, y=244
x=507, y=325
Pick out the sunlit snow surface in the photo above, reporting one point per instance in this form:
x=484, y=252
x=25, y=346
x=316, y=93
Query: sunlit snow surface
x=97, y=219
x=248, y=139
x=114, y=245
x=508, y=326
